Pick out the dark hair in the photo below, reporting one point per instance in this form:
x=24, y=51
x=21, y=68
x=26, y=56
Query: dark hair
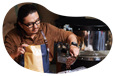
x=24, y=11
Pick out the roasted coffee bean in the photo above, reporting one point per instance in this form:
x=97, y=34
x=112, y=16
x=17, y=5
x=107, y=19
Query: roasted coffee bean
x=69, y=62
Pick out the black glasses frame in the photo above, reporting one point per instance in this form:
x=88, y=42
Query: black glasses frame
x=32, y=23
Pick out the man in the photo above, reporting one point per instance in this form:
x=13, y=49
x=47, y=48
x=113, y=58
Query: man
x=28, y=31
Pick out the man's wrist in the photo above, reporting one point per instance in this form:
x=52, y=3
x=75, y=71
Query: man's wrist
x=74, y=44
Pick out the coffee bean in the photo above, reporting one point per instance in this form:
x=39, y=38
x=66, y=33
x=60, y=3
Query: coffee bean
x=69, y=62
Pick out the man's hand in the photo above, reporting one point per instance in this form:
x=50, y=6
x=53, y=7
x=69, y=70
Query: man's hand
x=74, y=50
x=20, y=50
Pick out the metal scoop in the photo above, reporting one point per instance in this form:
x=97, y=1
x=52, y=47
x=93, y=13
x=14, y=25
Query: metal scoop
x=74, y=60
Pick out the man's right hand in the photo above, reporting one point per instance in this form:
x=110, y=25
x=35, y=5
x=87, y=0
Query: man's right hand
x=20, y=50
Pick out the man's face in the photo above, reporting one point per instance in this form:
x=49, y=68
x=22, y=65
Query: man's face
x=29, y=20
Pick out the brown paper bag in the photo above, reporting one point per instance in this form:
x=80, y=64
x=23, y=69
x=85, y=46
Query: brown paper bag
x=33, y=58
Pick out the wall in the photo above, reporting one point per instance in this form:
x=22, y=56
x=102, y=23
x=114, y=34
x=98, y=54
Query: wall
x=11, y=16
x=46, y=15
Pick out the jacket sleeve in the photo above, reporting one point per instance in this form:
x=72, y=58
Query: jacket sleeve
x=9, y=44
x=59, y=35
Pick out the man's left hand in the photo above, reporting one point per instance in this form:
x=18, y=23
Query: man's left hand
x=74, y=50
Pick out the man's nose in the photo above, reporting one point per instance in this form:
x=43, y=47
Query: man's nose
x=35, y=25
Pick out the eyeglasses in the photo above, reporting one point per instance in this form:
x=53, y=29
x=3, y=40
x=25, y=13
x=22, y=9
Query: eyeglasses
x=31, y=24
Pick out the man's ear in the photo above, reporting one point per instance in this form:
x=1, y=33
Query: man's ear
x=20, y=24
